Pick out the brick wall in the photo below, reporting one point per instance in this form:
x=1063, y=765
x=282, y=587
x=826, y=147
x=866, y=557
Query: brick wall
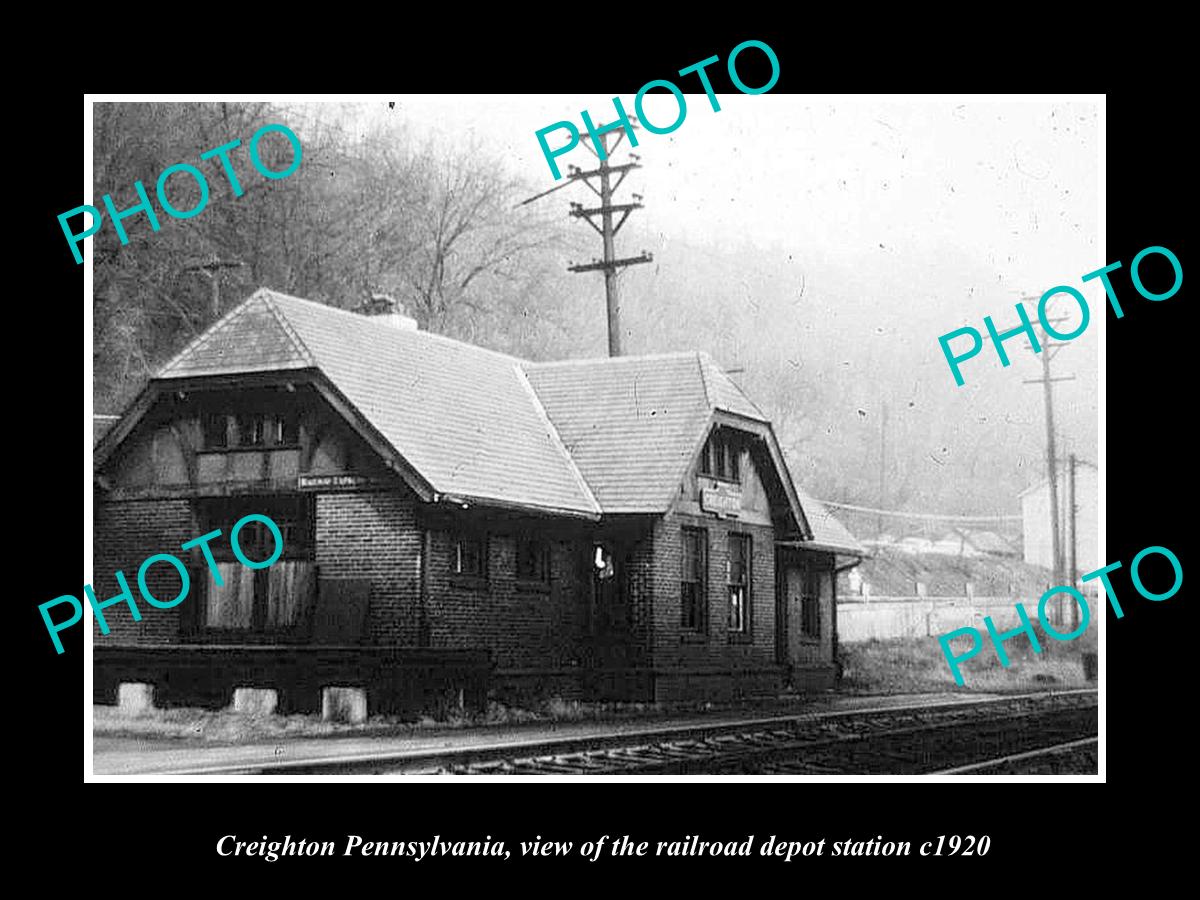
x=524, y=626
x=640, y=584
x=377, y=536
x=716, y=662
x=124, y=535
x=374, y=536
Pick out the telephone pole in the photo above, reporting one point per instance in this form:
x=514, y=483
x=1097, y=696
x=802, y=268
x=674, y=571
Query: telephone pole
x=606, y=229
x=1049, y=351
x=211, y=268
x=882, y=469
x=1073, y=561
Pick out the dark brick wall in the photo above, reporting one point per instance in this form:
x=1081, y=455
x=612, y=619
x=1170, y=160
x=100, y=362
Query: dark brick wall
x=535, y=634
x=714, y=659
x=125, y=534
x=375, y=536
x=526, y=626
x=640, y=584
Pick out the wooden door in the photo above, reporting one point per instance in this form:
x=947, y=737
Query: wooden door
x=794, y=592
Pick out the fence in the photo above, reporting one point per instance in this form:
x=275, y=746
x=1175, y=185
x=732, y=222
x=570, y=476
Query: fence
x=895, y=617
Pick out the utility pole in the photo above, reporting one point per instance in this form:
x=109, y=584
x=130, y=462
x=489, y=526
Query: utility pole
x=1049, y=351
x=211, y=268
x=1073, y=562
x=606, y=229
x=882, y=471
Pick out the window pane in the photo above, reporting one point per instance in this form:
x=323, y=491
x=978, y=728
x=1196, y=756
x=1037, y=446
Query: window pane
x=739, y=581
x=737, y=609
x=691, y=556
x=532, y=560
x=231, y=604
x=284, y=431
x=470, y=555
x=291, y=585
x=250, y=431
x=216, y=432
x=737, y=559
x=256, y=541
x=688, y=605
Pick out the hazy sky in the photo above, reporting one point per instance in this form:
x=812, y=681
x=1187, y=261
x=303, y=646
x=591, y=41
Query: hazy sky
x=909, y=217
x=1012, y=184
x=883, y=190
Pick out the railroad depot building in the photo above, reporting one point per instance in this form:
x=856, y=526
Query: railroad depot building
x=456, y=522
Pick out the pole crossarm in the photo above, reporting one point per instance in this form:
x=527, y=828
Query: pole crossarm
x=624, y=167
x=607, y=230
x=614, y=264
x=577, y=210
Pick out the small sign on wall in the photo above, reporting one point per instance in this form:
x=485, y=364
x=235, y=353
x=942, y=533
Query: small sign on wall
x=321, y=482
x=722, y=499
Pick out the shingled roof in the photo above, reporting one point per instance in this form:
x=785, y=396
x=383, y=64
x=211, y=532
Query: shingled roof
x=827, y=532
x=632, y=423
x=611, y=435
x=464, y=417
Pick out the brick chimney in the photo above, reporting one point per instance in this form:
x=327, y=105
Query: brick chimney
x=387, y=310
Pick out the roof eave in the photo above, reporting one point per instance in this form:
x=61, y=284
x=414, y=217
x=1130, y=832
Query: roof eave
x=844, y=549
x=513, y=505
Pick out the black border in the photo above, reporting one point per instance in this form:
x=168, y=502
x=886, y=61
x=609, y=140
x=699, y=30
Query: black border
x=1148, y=444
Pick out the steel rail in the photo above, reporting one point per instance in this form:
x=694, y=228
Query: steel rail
x=496, y=754
x=1020, y=757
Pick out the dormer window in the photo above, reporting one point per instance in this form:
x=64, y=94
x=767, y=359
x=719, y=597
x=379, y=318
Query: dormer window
x=721, y=456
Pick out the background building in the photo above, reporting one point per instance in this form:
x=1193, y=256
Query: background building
x=1035, y=514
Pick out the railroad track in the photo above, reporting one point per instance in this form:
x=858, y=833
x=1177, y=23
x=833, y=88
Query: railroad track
x=1070, y=758
x=928, y=739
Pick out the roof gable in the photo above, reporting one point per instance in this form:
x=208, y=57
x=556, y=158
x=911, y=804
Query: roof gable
x=612, y=435
x=723, y=394
x=630, y=423
x=635, y=424
x=251, y=338
x=458, y=414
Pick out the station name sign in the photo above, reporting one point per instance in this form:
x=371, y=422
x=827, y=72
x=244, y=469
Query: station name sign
x=722, y=499
x=317, y=482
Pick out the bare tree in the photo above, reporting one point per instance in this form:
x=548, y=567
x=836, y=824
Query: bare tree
x=365, y=212
x=468, y=235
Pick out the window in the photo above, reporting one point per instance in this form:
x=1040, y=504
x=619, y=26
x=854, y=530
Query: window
x=692, y=581
x=284, y=431
x=274, y=600
x=810, y=605
x=738, y=568
x=252, y=431
x=602, y=563
x=216, y=432
x=533, y=560
x=721, y=456
x=470, y=556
